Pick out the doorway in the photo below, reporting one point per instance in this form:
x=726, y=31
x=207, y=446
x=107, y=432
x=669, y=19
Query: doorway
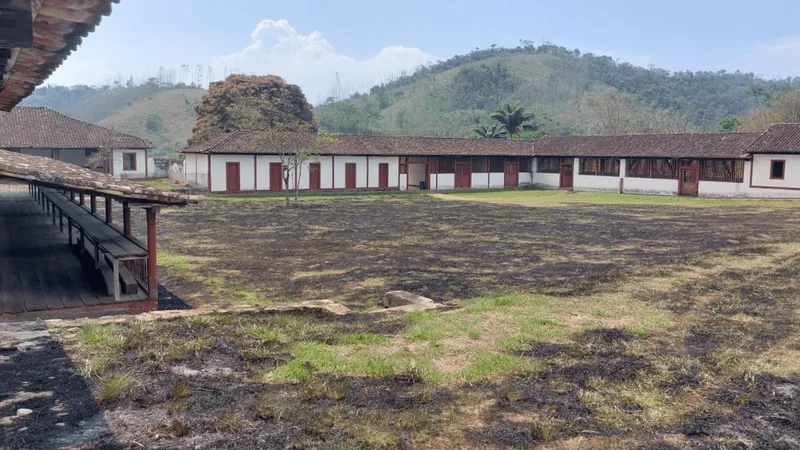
x=511, y=172
x=383, y=176
x=275, y=176
x=350, y=176
x=232, y=177
x=463, y=175
x=566, y=175
x=315, y=177
x=689, y=181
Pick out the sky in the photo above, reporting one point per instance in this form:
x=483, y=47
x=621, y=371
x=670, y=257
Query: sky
x=365, y=42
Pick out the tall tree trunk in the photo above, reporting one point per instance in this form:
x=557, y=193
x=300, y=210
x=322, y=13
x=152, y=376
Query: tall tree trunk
x=286, y=186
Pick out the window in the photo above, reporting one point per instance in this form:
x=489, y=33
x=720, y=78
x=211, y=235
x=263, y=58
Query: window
x=447, y=165
x=725, y=170
x=652, y=168
x=129, y=161
x=526, y=164
x=548, y=165
x=497, y=164
x=777, y=169
x=480, y=164
x=599, y=166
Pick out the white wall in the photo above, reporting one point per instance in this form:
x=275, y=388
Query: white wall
x=525, y=178
x=394, y=169
x=361, y=171
x=141, y=163
x=155, y=172
x=595, y=183
x=762, y=167
x=497, y=180
x=246, y=172
x=480, y=180
x=650, y=186
x=547, y=180
x=444, y=181
x=403, y=182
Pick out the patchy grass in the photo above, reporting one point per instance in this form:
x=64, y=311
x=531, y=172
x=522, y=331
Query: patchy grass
x=114, y=386
x=635, y=326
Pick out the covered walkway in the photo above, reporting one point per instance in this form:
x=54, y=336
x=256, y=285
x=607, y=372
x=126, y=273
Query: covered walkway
x=39, y=271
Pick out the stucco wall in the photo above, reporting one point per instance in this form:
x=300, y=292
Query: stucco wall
x=361, y=171
x=547, y=180
x=444, y=181
x=525, y=178
x=403, y=182
x=595, y=183
x=497, y=180
x=761, y=171
x=141, y=163
x=246, y=172
x=374, y=165
x=480, y=180
x=651, y=186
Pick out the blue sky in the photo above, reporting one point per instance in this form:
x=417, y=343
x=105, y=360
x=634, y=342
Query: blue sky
x=308, y=42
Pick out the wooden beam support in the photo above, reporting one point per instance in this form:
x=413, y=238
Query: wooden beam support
x=126, y=218
x=109, y=210
x=152, y=258
x=70, y=15
x=93, y=203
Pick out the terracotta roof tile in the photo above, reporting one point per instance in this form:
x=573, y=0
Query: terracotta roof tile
x=780, y=138
x=59, y=26
x=44, y=128
x=688, y=145
x=58, y=174
x=247, y=142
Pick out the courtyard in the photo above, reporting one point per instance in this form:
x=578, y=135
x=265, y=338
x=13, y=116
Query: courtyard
x=569, y=321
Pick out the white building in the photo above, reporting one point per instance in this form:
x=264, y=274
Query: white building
x=702, y=164
x=44, y=132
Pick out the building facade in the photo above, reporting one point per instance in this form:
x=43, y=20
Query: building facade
x=765, y=165
x=47, y=133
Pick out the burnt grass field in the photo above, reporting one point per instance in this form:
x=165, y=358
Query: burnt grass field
x=587, y=326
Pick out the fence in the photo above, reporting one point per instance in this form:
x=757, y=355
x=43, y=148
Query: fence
x=194, y=180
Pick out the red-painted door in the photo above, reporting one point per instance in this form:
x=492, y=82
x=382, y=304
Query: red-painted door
x=383, y=176
x=566, y=175
x=512, y=174
x=232, y=178
x=463, y=175
x=689, y=181
x=275, y=176
x=350, y=176
x=314, y=172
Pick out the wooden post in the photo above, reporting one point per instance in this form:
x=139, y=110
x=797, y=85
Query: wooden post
x=152, y=260
x=69, y=230
x=61, y=221
x=83, y=199
x=71, y=196
x=126, y=218
x=109, y=210
x=93, y=203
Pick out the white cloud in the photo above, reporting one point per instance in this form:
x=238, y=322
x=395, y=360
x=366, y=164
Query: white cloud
x=312, y=62
x=779, y=58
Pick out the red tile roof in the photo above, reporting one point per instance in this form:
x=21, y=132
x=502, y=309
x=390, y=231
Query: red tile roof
x=59, y=26
x=688, y=145
x=58, y=174
x=248, y=142
x=26, y=127
x=780, y=138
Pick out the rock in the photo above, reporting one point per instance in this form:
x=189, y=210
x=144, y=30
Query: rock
x=394, y=299
x=61, y=424
x=22, y=412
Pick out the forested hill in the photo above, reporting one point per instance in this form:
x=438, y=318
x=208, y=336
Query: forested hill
x=570, y=92
x=163, y=114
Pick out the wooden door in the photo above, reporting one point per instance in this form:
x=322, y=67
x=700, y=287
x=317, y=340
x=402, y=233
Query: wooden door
x=511, y=171
x=314, y=173
x=275, y=176
x=463, y=175
x=383, y=175
x=232, y=178
x=566, y=175
x=350, y=176
x=689, y=182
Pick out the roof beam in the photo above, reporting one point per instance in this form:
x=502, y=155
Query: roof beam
x=16, y=23
x=70, y=15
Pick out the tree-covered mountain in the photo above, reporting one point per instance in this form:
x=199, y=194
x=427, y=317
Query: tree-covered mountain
x=570, y=93
x=163, y=114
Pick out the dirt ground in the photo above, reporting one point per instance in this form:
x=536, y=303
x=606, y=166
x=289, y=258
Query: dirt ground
x=354, y=250
x=593, y=326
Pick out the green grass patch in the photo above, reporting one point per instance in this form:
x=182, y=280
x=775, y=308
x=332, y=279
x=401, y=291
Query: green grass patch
x=488, y=366
x=263, y=334
x=114, y=386
x=310, y=358
x=362, y=339
x=102, y=336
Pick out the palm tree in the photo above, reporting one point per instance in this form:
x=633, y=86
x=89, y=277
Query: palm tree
x=514, y=119
x=495, y=131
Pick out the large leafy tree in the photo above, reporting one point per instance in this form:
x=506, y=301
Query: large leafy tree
x=494, y=131
x=243, y=102
x=514, y=120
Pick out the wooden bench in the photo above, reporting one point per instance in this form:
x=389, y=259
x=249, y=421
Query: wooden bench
x=106, y=241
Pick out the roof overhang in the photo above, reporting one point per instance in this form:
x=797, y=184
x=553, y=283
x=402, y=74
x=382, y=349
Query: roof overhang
x=36, y=36
x=60, y=175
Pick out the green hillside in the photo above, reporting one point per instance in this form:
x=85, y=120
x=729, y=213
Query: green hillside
x=164, y=115
x=566, y=89
x=166, y=118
